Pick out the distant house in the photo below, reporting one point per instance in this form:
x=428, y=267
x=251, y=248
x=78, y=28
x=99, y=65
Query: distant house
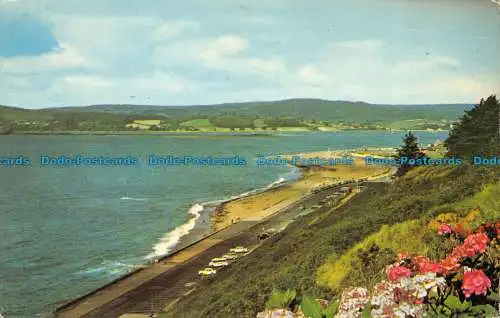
x=144, y=124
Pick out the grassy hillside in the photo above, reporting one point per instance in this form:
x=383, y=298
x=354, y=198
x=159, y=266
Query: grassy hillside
x=298, y=108
x=290, y=260
x=313, y=113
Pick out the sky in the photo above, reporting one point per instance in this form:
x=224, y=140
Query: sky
x=186, y=52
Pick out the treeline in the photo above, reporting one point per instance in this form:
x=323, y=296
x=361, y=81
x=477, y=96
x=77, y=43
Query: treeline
x=283, y=122
x=477, y=132
x=232, y=121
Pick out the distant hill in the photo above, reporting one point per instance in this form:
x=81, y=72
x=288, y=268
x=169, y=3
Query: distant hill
x=305, y=111
x=299, y=108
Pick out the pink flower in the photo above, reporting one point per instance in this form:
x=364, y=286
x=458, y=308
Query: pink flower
x=449, y=264
x=420, y=259
x=474, y=244
x=444, y=228
x=475, y=282
x=429, y=267
x=477, y=242
x=397, y=272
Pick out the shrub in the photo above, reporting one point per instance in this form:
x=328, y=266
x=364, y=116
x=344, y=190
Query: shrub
x=465, y=282
x=349, y=268
x=281, y=299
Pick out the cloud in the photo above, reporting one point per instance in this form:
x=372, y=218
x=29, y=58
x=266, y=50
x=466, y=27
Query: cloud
x=201, y=50
x=113, y=41
x=149, y=87
x=273, y=65
x=178, y=56
x=222, y=47
x=364, y=71
x=143, y=84
x=365, y=46
x=171, y=29
x=426, y=64
x=311, y=75
x=62, y=58
x=227, y=53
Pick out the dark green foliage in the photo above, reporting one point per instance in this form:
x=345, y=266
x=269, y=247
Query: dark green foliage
x=281, y=299
x=477, y=132
x=290, y=259
x=106, y=117
x=283, y=122
x=369, y=267
x=438, y=249
x=410, y=149
x=232, y=121
x=454, y=307
x=311, y=308
x=367, y=311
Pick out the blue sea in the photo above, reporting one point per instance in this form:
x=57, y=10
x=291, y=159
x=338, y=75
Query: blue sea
x=68, y=230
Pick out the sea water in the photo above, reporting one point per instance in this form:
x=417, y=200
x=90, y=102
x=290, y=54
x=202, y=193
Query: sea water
x=66, y=230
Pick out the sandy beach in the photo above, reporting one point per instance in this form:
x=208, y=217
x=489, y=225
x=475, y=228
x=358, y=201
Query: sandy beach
x=263, y=204
x=271, y=208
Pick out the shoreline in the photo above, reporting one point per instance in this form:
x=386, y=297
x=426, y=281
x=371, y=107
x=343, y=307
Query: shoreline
x=133, y=289
x=258, y=203
x=257, y=133
x=203, y=221
x=187, y=260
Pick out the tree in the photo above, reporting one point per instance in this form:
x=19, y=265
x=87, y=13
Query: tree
x=477, y=131
x=411, y=150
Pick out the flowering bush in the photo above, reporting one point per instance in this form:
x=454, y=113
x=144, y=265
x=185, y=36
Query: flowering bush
x=278, y=313
x=352, y=302
x=475, y=282
x=464, y=281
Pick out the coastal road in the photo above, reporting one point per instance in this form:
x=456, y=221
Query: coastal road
x=151, y=289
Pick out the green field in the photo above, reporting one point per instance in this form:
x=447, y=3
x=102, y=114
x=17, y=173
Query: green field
x=198, y=123
x=295, y=114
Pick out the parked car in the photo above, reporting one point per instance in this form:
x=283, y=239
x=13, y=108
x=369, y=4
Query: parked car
x=265, y=234
x=230, y=256
x=207, y=271
x=218, y=259
x=218, y=264
x=239, y=249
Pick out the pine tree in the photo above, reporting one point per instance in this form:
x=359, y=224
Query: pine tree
x=477, y=132
x=410, y=149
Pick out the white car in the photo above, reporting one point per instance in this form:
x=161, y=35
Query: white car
x=207, y=271
x=218, y=264
x=230, y=256
x=218, y=259
x=239, y=249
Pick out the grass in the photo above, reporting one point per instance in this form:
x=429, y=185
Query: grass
x=290, y=260
x=488, y=201
x=198, y=123
x=414, y=124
